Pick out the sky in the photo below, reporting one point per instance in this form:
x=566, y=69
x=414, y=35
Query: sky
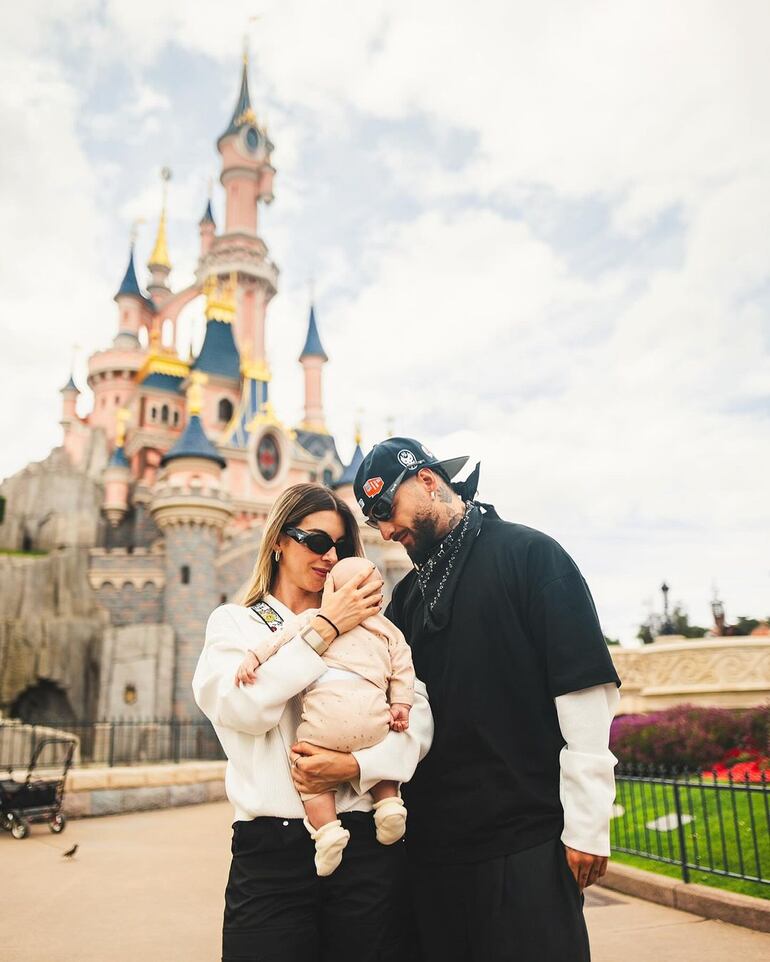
x=536, y=234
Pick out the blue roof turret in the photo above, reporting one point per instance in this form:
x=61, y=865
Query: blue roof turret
x=70, y=386
x=208, y=217
x=243, y=112
x=218, y=354
x=349, y=474
x=194, y=444
x=313, y=347
x=118, y=458
x=129, y=286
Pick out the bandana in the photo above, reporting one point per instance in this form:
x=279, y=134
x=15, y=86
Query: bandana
x=439, y=576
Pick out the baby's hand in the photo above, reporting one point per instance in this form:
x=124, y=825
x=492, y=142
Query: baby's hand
x=399, y=717
x=246, y=670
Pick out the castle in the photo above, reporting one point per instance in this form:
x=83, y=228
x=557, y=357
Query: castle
x=150, y=513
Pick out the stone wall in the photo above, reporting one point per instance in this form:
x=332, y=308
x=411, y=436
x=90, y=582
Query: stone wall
x=720, y=672
x=50, y=628
x=139, y=657
x=50, y=504
x=188, y=606
x=129, y=583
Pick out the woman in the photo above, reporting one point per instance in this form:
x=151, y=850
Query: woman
x=276, y=908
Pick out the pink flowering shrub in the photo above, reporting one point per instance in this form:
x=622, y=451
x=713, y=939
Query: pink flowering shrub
x=688, y=737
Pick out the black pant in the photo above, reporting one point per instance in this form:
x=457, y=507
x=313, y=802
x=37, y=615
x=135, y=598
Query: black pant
x=524, y=907
x=278, y=910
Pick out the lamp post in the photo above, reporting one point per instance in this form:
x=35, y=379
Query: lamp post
x=668, y=628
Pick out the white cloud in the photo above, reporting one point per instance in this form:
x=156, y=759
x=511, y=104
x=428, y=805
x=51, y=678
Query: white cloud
x=621, y=412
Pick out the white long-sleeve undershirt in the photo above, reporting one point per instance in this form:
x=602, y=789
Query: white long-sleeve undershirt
x=587, y=782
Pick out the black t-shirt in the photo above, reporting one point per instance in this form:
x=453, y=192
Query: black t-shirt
x=523, y=630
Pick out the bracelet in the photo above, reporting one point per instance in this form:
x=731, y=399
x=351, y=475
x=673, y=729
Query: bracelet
x=329, y=622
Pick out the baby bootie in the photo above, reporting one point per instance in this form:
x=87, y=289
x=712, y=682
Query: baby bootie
x=330, y=841
x=389, y=820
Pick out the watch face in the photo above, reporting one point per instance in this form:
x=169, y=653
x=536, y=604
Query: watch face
x=268, y=457
x=252, y=138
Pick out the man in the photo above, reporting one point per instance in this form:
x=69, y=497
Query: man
x=509, y=812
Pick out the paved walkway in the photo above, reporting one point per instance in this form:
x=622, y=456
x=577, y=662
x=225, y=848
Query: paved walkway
x=149, y=886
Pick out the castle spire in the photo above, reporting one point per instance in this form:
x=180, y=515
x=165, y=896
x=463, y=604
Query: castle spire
x=129, y=286
x=312, y=359
x=313, y=347
x=159, y=260
x=243, y=113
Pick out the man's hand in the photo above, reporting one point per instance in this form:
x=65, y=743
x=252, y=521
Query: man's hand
x=316, y=770
x=399, y=717
x=586, y=868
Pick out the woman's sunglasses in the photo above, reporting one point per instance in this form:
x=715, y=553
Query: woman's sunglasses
x=319, y=542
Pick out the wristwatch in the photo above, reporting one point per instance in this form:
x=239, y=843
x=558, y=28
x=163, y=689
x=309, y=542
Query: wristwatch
x=316, y=641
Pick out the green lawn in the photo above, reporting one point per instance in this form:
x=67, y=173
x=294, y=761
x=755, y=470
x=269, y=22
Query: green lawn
x=27, y=554
x=728, y=827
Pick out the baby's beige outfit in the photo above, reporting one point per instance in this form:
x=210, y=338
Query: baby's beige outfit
x=369, y=668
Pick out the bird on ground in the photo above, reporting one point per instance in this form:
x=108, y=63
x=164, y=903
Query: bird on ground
x=70, y=853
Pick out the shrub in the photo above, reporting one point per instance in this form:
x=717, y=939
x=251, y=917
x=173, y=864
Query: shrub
x=688, y=737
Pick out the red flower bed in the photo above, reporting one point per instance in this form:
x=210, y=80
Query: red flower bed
x=741, y=766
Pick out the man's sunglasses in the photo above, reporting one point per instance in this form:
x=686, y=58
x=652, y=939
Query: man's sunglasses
x=382, y=509
x=319, y=542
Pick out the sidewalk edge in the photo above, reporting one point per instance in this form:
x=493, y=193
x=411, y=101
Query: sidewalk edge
x=711, y=903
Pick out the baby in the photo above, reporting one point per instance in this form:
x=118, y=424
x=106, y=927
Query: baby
x=366, y=690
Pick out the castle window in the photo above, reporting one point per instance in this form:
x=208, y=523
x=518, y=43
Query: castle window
x=225, y=410
x=184, y=574
x=164, y=414
x=176, y=418
x=153, y=414
x=117, y=399
x=328, y=477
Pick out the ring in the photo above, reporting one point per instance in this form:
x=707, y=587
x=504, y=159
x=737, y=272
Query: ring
x=294, y=762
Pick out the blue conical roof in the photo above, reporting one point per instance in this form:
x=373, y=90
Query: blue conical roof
x=313, y=347
x=70, y=386
x=119, y=459
x=349, y=474
x=129, y=284
x=194, y=444
x=208, y=217
x=242, y=106
x=218, y=354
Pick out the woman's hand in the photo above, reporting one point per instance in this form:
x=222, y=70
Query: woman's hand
x=246, y=674
x=353, y=603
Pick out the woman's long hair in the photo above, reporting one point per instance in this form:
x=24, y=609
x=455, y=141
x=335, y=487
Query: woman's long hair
x=290, y=508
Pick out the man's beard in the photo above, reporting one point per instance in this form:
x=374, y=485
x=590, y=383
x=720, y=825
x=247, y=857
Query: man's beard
x=425, y=538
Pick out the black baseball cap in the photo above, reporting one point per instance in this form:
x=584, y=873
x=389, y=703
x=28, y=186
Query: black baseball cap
x=394, y=458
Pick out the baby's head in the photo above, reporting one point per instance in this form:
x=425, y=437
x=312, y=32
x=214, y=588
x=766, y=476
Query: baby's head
x=348, y=568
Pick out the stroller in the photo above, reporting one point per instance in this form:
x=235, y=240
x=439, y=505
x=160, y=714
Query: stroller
x=36, y=799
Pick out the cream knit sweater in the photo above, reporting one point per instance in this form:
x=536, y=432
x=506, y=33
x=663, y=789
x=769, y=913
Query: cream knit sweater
x=257, y=723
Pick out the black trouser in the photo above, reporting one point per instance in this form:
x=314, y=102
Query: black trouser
x=524, y=907
x=278, y=910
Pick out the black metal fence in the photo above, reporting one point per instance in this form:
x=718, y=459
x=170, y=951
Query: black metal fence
x=710, y=823
x=118, y=742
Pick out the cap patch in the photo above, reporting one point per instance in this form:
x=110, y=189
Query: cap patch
x=428, y=453
x=407, y=458
x=373, y=486
x=360, y=502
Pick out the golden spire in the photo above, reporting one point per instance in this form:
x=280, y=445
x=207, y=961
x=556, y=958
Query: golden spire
x=358, y=433
x=159, y=256
x=122, y=416
x=195, y=392
x=220, y=297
